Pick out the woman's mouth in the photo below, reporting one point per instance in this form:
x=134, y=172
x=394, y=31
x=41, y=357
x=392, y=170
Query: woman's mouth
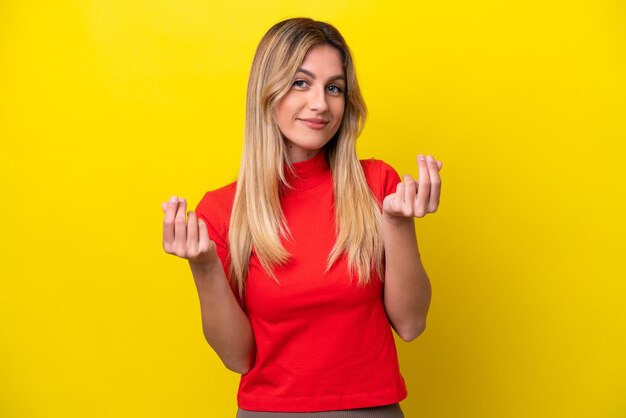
x=314, y=123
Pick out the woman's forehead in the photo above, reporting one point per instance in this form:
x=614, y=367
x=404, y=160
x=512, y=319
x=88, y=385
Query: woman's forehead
x=323, y=61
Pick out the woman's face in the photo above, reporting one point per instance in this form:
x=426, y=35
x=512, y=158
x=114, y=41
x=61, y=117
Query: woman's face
x=310, y=113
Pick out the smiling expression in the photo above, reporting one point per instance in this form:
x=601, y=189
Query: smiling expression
x=312, y=110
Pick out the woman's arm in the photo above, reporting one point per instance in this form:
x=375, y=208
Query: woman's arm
x=407, y=289
x=226, y=327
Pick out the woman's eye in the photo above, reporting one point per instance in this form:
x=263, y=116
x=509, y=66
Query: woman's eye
x=299, y=83
x=335, y=89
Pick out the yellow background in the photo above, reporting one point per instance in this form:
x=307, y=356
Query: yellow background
x=107, y=108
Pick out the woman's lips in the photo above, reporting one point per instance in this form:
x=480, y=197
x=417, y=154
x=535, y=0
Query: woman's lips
x=314, y=123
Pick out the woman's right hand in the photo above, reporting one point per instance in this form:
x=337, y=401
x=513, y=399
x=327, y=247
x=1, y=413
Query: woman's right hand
x=225, y=325
x=189, y=240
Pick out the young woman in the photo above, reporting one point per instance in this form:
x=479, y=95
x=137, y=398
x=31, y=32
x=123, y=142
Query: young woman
x=305, y=263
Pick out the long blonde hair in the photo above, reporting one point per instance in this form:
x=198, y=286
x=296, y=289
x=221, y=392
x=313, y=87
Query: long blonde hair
x=257, y=220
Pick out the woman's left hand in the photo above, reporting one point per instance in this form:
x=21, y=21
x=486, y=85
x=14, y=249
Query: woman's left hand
x=416, y=199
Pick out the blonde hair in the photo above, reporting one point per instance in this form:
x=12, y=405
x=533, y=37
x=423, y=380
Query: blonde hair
x=257, y=221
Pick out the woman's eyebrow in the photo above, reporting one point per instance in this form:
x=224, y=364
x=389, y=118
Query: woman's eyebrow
x=310, y=74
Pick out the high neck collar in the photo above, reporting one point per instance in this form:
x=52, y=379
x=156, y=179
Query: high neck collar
x=314, y=165
x=307, y=173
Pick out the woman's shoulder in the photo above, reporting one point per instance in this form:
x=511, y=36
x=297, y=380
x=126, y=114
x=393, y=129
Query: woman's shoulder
x=218, y=202
x=224, y=192
x=373, y=166
x=378, y=170
x=381, y=176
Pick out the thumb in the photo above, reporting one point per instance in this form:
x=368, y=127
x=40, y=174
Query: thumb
x=163, y=206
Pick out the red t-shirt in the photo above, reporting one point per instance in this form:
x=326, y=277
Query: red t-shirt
x=322, y=343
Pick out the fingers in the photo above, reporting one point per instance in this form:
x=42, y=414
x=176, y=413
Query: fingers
x=410, y=188
x=168, y=223
x=435, y=184
x=180, y=225
x=204, y=241
x=398, y=201
x=423, y=192
x=175, y=226
x=192, y=234
x=416, y=198
x=185, y=234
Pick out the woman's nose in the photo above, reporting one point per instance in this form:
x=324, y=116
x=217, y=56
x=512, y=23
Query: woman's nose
x=317, y=99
